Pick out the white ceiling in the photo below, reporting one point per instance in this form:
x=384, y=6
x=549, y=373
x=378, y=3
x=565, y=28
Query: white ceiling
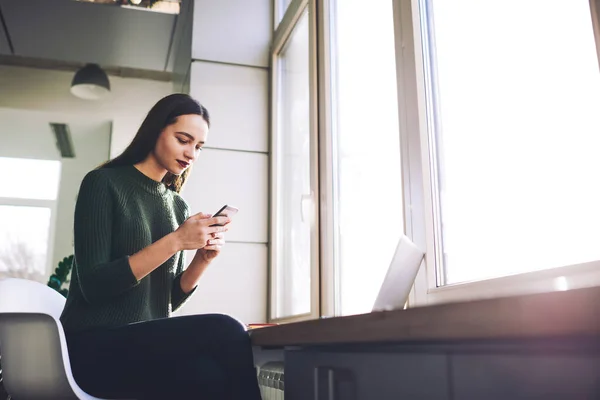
x=81, y=32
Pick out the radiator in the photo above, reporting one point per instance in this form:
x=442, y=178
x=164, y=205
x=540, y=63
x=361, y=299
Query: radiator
x=271, y=381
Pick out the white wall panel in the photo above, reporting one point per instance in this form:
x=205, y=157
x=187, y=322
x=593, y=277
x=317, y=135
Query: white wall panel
x=237, y=100
x=234, y=284
x=232, y=31
x=237, y=178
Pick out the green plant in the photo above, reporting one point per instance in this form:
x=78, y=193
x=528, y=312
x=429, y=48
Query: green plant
x=59, y=277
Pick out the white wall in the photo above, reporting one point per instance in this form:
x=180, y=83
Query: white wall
x=229, y=75
x=47, y=93
x=27, y=134
x=232, y=31
x=91, y=140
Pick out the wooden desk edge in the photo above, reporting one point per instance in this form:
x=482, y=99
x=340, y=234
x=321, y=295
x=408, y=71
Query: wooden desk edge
x=569, y=313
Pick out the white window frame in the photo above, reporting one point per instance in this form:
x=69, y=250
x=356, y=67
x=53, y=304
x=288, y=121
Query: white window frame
x=329, y=268
x=419, y=178
x=281, y=36
x=276, y=9
x=278, y=13
x=52, y=205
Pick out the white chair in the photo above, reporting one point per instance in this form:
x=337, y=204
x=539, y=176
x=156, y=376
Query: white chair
x=35, y=360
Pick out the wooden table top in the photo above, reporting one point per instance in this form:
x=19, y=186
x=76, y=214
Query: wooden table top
x=564, y=313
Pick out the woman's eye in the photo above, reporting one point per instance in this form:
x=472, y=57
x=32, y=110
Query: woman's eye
x=182, y=141
x=199, y=149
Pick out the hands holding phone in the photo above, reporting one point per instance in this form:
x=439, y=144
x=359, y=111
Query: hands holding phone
x=205, y=233
x=196, y=232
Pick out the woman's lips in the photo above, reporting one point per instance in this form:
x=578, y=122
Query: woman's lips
x=183, y=164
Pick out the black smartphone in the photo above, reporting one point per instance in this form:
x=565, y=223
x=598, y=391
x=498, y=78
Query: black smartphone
x=225, y=211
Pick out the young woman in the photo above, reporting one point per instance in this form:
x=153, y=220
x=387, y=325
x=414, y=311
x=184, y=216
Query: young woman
x=131, y=227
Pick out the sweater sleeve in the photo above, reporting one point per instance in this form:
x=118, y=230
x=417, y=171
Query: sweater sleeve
x=178, y=297
x=100, y=277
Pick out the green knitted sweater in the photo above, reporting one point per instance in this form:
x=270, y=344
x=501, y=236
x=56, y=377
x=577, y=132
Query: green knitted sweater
x=119, y=212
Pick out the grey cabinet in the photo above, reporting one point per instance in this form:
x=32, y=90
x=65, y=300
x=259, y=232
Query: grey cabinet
x=332, y=375
x=526, y=376
x=554, y=369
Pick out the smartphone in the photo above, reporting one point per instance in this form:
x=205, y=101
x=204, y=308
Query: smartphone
x=225, y=211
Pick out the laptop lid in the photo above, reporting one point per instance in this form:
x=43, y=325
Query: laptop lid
x=400, y=276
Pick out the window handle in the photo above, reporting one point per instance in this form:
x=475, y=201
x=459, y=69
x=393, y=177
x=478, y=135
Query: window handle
x=306, y=203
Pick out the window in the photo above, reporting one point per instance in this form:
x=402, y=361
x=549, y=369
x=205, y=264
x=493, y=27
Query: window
x=33, y=179
x=27, y=213
x=513, y=122
x=367, y=182
x=294, y=261
x=24, y=241
x=483, y=152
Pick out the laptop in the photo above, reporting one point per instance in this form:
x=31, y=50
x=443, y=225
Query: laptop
x=400, y=276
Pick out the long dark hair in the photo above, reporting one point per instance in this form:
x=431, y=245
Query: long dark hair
x=163, y=114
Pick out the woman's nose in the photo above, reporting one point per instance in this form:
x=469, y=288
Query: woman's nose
x=189, y=157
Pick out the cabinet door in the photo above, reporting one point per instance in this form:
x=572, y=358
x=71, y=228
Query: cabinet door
x=526, y=376
x=365, y=376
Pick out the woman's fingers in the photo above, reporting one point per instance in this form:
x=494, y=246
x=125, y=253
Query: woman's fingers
x=201, y=215
x=218, y=242
x=217, y=221
x=216, y=229
x=213, y=247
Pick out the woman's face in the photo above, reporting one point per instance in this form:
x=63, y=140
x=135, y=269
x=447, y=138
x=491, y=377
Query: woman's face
x=180, y=143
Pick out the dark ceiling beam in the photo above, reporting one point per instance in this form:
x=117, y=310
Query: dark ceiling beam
x=30, y=62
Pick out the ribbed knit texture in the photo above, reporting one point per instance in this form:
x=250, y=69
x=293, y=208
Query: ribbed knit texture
x=119, y=212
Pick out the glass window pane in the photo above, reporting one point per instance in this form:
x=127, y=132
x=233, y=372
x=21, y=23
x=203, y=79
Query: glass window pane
x=24, y=242
x=518, y=94
x=34, y=179
x=293, y=182
x=367, y=169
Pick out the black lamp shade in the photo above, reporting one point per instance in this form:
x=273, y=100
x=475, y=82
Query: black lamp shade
x=90, y=83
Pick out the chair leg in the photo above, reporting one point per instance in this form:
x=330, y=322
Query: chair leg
x=3, y=394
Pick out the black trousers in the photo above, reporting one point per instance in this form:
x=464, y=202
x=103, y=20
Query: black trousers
x=194, y=357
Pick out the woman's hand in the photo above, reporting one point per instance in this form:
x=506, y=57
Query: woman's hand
x=196, y=232
x=212, y=248
x=213, y=245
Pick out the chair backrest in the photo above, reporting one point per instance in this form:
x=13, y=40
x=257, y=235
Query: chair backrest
x=25, y=296
x=34, y=350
